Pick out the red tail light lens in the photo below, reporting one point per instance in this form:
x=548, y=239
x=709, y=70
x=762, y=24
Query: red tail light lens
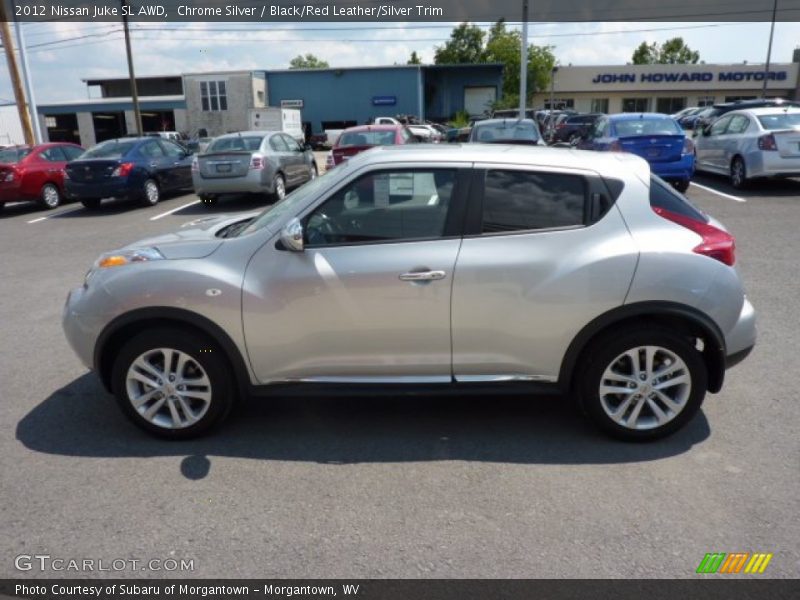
x=257, y=163
x=767, y=142
x=9, y=176
x=717, y=244
x=123, y=170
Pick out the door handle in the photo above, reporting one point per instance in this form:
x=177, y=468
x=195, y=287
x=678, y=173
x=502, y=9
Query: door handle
x=423, y=276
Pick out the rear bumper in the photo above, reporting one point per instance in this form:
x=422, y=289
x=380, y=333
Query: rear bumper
x=10, y=192
x=255, y=182
x=682, y=169
x=103, y=189
x=771, y=164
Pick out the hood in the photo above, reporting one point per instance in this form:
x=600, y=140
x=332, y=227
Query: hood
x=195, y=239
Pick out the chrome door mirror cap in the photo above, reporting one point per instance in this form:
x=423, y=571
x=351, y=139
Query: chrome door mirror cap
x=292, y=235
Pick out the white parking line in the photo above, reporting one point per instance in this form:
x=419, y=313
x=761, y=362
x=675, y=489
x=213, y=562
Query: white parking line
x=169, y=212
x=718, y=193
x=50, y=216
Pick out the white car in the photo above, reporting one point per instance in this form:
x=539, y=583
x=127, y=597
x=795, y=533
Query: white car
x=746, y=144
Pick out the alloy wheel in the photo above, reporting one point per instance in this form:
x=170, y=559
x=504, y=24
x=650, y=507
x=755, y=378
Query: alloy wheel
x=50, y=196
x=280, y=188
x=168, y=388
x=645, y=387
x=151, y=191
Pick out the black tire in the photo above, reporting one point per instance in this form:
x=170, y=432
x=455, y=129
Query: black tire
x=50, y=196
x=151, y=193
x=604, y=353
x=278, y=184
x=91, y=203
x=199, y=349
x=682, y=185
x=738, y=176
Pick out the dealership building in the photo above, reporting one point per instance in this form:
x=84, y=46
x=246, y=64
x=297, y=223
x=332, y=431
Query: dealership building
x=665, y=88
x=213, y=103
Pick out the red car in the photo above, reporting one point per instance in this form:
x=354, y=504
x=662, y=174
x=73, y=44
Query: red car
x=357, y=139
x=35, y=173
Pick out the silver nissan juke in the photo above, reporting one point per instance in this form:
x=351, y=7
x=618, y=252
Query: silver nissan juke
x=474, y=267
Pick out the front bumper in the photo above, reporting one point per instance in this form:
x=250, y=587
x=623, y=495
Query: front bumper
x=740, y=340
x=81, y=328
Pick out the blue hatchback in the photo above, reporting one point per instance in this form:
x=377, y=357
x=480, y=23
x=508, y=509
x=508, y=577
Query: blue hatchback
x=655, y=137
x=133, y=168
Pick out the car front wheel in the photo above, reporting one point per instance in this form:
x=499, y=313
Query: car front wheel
x=173, y=383
x=278, y=188
x=738, y=173
x=643, y=384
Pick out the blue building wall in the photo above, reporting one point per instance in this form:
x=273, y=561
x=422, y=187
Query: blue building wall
x=346, y=94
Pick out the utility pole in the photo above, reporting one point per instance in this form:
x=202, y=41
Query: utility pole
x=26, y=77
x=134, y=93
x=769, y=49
x=13, y=72
x=523, y=63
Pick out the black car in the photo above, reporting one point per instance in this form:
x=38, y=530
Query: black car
x=572, y=127
x=138, y=168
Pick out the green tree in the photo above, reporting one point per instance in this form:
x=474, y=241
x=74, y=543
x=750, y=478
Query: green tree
x=309, y=61
x=672, y=52
x=415, y=59
x=464, y=46
x=505, y=46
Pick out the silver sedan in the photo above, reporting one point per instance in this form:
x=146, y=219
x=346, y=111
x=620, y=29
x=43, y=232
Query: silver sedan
x=256, y=162
x=746, y=144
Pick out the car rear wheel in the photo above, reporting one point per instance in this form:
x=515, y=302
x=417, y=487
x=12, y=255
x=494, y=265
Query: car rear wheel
x=50, y=197
x=279, y=188
x=642, y=384
x=738, y=173
x=150, y=193
x=682, y=185
x=91, y=203
x=173, y=383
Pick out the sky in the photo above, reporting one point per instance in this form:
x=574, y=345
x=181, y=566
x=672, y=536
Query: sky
x=58, y=62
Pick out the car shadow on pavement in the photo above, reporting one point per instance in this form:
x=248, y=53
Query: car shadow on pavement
x=227, y=203
x=81, y=419
x=114, y=206
x=756, y=188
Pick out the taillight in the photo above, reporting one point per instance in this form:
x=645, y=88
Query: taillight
x=123, y=170
x=688, y=146
x=329, y=163
x=767, y=142
x=257, y=163
x=195, y=165
x=716, y=244
x=9, y=176
x=615, y=146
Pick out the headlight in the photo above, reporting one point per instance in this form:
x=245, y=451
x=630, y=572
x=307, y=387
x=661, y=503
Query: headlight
x=127, y=257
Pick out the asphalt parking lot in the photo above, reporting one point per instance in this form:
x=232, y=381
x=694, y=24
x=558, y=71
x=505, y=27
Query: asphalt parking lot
x=429, y=487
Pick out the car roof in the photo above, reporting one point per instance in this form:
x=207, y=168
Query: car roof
x=766, y=110
x=618, y=163
x=637, y=116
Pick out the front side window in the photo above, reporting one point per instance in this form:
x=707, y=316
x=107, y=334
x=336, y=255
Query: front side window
x=526, y=200
x=213, y=96
x=278, y=144
x=384, y=206
x=738, y=124
x=719, y=126
x=291, y=143
x=72, y=152
x=173, y=150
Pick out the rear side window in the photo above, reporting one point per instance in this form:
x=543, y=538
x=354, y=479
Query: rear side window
x=524, y=200
x=664, y=197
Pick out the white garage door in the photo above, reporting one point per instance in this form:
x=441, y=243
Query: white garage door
x=478, y=100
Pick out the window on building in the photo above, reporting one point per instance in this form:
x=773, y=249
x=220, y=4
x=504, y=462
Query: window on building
x=599, y=105
x=213, y=96
x=559, y=103
x=260, y=96
x=706, y=100
x=525, y=200
x=670, y=106
x=635, y=104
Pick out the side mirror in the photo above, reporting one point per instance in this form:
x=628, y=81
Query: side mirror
x=292, y=235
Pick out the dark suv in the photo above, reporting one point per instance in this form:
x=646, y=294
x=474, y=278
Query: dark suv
x=571, y=128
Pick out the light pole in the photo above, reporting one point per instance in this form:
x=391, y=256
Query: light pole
x=137, y=113
x=553, y=72
x=523, y=63
x=769, y=49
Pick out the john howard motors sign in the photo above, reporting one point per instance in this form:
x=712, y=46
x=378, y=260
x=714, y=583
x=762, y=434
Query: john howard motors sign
x=696, y=77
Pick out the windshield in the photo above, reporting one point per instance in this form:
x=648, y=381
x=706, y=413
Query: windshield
x=780, y=121
x=635, y=127
x=513, y=130
x=367, y=138
x=293, y=202
x=12, y=155
x=234, y=144
x=109, y=149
